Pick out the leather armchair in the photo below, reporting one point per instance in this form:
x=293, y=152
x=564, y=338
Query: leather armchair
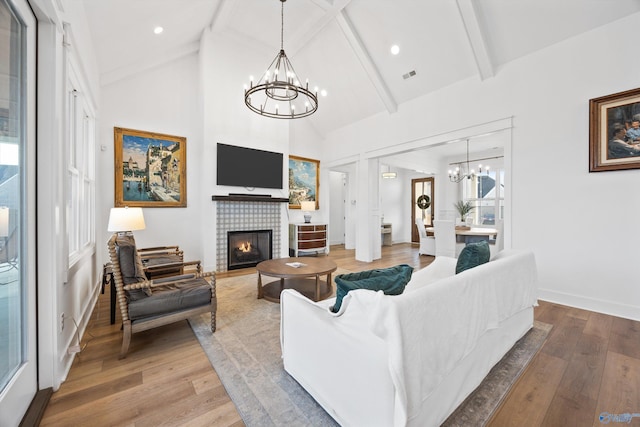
x=146, y=304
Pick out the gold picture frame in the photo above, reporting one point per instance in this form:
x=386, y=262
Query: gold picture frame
x=609, y=147
x=150, y=169
x=304, y=181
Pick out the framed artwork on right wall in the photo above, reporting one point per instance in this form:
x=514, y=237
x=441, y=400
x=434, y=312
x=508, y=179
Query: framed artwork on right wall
x=614, y=131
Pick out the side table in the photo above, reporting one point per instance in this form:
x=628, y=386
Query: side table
x=107, y=279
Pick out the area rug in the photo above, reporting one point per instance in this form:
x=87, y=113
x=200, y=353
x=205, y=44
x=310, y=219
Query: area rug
x=245, y=353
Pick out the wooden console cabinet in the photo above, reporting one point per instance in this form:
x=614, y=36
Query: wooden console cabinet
x=307, y=239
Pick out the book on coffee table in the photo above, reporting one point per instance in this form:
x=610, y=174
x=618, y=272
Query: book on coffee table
x=296, y=264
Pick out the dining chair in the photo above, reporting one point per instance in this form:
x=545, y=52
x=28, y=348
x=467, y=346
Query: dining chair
x=499, y=245
x=496, y=243
x=427, y=243
x=445, y=238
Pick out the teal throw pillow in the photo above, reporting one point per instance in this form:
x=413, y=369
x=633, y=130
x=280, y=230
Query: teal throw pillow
x=473, y=255
x=390, y=280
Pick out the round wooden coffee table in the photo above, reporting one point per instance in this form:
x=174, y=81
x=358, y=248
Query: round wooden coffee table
x=305, y=278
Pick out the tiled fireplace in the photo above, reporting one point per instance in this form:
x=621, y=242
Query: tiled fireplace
x=245, y=216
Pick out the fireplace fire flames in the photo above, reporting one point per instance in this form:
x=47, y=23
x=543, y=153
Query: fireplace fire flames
x=248, y=248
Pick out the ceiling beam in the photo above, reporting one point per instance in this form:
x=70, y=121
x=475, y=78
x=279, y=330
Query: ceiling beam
x=330, y=12
x=322, y=4
x=221, y=16
x=476, y=38
x=367, y=63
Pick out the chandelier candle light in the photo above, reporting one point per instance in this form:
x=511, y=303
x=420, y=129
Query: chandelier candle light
x=279, y=93
x=458, y=174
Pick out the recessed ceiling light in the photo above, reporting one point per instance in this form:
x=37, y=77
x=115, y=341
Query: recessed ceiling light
x=158, y=30
x=395, y=49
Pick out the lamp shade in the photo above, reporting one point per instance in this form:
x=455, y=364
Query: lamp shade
x=4, y=221
x=308, y=205
x=126, y=219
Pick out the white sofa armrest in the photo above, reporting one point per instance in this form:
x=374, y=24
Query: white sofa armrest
x=322, y=350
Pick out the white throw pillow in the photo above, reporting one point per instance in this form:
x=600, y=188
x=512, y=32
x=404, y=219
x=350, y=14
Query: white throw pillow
x=440, y=268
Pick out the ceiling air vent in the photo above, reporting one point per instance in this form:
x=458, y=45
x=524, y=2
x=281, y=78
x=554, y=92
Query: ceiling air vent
x=409, y=74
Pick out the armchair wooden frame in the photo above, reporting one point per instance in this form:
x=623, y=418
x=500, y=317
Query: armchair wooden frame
x=162, y=261
x=131, y=327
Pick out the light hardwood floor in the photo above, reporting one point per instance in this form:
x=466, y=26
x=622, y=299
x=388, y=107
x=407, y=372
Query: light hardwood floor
x=590, y=364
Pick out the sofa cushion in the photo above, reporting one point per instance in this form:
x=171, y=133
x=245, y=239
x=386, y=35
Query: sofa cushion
x=172, y=297
x=473, y=255
x=390, y=280
x=127, y=258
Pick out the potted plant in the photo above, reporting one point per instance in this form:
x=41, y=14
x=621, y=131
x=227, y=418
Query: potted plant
x=463, y=208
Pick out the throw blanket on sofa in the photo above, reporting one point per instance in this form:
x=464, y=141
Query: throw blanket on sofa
x=445, y=327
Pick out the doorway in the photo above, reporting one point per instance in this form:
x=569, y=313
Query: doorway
x=337, y=211
x=422, y=191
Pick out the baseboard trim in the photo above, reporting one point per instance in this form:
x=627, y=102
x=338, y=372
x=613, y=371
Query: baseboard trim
x=34, y=414
x=591, y=304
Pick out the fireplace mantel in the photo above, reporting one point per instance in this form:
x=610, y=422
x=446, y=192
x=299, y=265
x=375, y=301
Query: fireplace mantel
x=262, y=198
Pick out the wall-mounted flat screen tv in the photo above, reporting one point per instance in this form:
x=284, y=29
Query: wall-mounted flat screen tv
x=248, y=167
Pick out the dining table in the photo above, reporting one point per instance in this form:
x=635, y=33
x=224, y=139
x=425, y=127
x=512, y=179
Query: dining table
x=471, y=234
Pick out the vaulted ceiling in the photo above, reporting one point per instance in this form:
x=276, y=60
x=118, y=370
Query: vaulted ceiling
x=344, y=45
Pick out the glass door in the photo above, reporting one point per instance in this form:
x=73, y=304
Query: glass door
x=18, y=356
x=422, y=190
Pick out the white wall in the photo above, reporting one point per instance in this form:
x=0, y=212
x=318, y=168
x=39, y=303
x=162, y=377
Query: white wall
x=304, y=141
x=162, y=100
x=62, y=288
x=224, y=69
x=577, y=223
x=228, y=120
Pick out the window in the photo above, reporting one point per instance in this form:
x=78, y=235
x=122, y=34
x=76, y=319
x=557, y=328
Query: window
x=16, y=168
x=80, y=169
x=486, y=193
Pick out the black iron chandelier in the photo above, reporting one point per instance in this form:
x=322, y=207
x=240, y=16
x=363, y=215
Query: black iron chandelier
x=279, y=93
x=461, y=172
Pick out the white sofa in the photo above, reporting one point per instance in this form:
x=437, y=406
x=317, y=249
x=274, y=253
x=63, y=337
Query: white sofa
x=410, y=359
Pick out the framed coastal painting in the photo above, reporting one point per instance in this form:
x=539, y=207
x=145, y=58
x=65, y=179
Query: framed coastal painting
x=150, y=169
x=614, y=131
x=304, y=181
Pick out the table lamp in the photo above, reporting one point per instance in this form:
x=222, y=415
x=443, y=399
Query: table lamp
x=307, y=207
x=125, y=220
